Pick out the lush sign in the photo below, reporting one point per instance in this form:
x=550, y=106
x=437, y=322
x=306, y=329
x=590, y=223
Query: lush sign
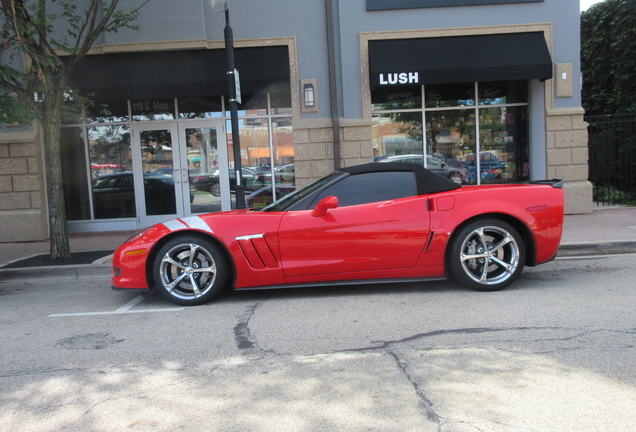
x=399, y=78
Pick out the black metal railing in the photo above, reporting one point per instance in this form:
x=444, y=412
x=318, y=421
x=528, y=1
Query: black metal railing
x=612, y=158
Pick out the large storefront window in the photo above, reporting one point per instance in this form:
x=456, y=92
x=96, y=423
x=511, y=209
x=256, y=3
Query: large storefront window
x=267, y=150
x=111, y=171
x=460, y=122
x=99, y=175
x=152, y=109
x=398, y=134
x=200, y=107
x=110, y=112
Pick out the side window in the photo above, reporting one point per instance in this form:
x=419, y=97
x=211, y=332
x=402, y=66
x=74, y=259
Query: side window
x=126, y=181
x=371, y=187
x=105, y=183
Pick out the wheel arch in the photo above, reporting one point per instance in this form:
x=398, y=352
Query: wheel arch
x=523, y=230
x=159, y=244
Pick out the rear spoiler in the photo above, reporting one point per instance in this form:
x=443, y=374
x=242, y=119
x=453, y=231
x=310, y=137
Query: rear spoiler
x=555, y=183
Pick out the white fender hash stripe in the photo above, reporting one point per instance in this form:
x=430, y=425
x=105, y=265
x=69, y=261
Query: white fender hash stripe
x=197, y=223
x=174, y=225
x=189, y=222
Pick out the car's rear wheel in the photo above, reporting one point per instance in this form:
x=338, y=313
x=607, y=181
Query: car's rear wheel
x=215, y=190
x=487, y=255
x=190, y=270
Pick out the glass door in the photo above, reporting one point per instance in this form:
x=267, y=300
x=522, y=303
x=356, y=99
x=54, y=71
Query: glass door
x=204, y=166
x=157, y=179
x=180, y=169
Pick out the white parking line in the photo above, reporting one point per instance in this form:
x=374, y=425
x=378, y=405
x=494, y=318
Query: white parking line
x=125, y=309
x=131, y=303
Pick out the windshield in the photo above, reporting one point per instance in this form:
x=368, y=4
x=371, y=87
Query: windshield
x=294, y=197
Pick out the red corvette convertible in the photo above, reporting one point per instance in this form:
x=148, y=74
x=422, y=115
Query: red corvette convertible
x=393, y=222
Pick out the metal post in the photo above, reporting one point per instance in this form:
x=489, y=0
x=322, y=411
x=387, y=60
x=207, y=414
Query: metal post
x=229, y=51
x=333, y=89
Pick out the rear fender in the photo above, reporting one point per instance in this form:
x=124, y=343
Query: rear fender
x=523, y=230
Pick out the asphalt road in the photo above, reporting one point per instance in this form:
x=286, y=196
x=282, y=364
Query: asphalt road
x=554, y=352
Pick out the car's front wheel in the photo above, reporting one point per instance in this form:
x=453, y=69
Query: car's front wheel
x=487, y=255
x=190, y=270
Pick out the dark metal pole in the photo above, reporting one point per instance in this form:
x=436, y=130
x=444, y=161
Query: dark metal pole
x=333, y=90
x=229, y=51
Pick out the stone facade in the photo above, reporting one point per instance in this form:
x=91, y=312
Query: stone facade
x=314, y=148
x=22, y=189
x=567, y=157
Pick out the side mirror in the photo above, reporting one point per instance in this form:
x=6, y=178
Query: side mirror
x=330, y=202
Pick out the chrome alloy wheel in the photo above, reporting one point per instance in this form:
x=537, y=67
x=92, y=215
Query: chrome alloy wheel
x=490, y=255
x=188, y=271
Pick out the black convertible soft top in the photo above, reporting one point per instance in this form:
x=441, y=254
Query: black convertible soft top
x=427, y=181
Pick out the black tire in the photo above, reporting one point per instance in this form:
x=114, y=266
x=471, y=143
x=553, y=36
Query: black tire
x=215, y=190
x=189, y=270
x=486, y=255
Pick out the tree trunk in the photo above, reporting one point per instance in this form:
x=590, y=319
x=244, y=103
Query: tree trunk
x=51, y=122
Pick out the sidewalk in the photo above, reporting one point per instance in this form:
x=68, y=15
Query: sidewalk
x=608, y=230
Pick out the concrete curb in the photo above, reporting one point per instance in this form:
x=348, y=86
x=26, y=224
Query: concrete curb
x=103, y=270
x=70, y=272
x=596, y=248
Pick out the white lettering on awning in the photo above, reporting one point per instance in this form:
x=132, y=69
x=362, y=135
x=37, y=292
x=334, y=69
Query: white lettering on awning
x=399, y=78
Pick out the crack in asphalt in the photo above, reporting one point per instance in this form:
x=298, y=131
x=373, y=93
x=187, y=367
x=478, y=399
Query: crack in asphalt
x=242, y=334
x=425, y=403
x=242, y=331
x=386, y=344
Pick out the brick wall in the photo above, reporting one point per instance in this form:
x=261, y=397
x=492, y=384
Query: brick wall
x=22, y=190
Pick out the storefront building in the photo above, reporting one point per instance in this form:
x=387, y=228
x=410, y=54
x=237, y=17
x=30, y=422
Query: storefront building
x=480, y=91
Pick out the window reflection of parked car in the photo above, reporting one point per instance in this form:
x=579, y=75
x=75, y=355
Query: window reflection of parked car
x=287, y=171
x=490, y=167
x=284, y=174
x=114, y=195
x=210, y=182
x=458, y=175
x=258, y=169
x=263, y=196
x=167, y=171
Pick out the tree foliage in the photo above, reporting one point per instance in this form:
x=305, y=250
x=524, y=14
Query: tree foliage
x=41, y=43
x=608, y=57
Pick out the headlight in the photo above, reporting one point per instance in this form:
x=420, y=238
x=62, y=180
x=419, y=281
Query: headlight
x=137, y=235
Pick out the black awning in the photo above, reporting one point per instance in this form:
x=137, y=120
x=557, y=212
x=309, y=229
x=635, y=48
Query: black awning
x=187, y=73
x=446, y=60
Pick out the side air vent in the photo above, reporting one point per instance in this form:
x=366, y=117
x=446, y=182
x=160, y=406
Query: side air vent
x=257, y=251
